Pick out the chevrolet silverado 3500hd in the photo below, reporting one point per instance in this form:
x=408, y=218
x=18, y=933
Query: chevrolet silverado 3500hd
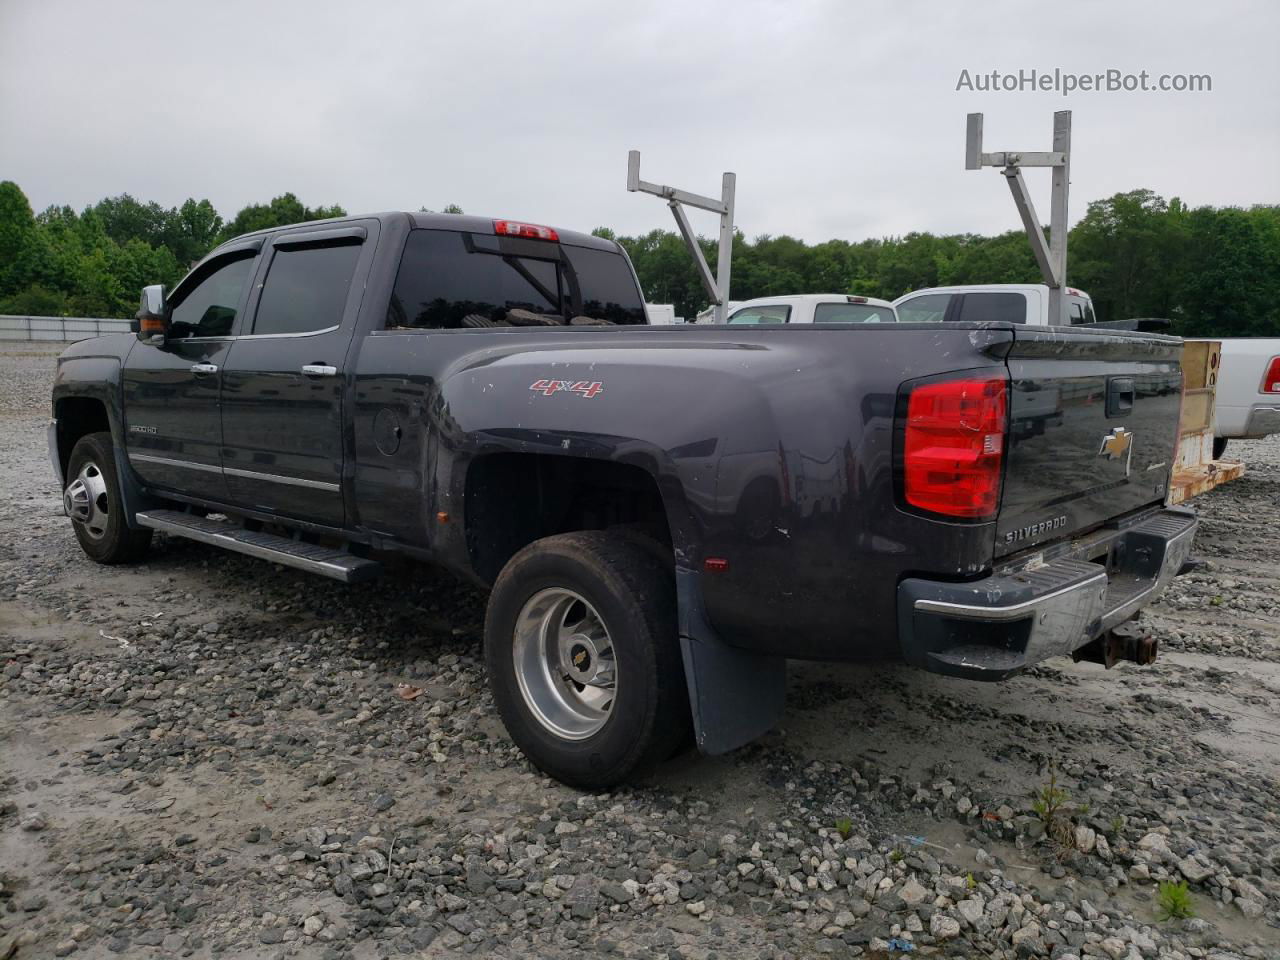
x=662, y=514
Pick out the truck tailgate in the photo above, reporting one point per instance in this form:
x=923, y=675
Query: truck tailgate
x=1092, y=431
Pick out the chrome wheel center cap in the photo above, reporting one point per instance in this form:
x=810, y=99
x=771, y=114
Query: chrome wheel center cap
x=581, y=658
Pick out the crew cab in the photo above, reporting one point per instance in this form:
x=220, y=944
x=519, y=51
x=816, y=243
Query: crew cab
x=813, y=308
x=662, y=515
x=1008, y=302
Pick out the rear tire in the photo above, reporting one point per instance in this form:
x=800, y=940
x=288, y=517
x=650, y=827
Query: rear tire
x=584, y=660
x=93, y=501
x=1219, y=447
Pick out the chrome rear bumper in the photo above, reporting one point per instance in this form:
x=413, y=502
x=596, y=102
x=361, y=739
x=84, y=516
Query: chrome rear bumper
x=992, y=628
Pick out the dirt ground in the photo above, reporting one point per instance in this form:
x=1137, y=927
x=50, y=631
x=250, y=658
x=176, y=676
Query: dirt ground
x=205, y=755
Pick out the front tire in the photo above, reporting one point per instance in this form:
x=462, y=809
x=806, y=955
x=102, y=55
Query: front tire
x=93, y=501
x=584, y=659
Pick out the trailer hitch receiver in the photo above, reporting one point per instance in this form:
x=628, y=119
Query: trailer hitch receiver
x=1125, y=642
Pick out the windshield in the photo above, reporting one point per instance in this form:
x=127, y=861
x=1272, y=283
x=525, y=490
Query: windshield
x=852, y=313
x=449, y=279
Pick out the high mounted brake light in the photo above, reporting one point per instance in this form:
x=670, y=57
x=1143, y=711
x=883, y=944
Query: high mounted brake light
x=953, y=446
x=1271, y=382
x=530, y=231
x=856, y=299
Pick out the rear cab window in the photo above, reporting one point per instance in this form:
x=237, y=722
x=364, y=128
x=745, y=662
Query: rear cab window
x=1080, y=311
x=763, y=315
x=455, y=280
x=852, y=313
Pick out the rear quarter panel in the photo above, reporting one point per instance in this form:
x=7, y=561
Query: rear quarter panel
x=772, y=448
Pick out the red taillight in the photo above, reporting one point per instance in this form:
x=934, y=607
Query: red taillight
x=953, y=447
x=1271, y=382
x=531, y=231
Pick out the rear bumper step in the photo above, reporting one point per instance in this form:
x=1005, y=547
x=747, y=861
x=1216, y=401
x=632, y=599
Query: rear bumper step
x=326, y=561
x=993, y=628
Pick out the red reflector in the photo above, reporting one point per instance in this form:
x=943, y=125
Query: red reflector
x=715, y=565
x=953, y=447
x=531, y=231
x=1271, y=382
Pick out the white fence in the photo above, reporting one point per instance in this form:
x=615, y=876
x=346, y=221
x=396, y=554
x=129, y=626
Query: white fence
x=62, y=329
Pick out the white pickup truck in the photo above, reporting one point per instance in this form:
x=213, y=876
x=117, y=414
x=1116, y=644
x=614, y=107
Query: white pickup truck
x=1010, y=302
x=1247, y=399
x=813, y=308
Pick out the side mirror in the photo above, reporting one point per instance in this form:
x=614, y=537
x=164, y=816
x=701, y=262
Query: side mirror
x=153, y=315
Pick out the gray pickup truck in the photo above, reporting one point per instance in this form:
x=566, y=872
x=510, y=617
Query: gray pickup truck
x=663, y=514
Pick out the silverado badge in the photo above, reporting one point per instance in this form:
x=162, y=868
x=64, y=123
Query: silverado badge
x=1117, y=444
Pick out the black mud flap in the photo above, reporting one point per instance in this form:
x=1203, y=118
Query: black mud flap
x=131, y=494
x=735, y=695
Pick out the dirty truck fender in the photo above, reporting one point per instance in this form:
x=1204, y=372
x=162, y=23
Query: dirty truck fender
x=631, y=406
x=91, y=370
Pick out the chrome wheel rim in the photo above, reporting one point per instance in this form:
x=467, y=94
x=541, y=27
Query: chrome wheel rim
x=85, y=500
x=564, y=663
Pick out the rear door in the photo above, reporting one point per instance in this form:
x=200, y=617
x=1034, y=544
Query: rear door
x=1093, y=428
x=285, y=380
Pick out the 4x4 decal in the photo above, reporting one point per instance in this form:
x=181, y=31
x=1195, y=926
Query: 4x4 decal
x=587, y=388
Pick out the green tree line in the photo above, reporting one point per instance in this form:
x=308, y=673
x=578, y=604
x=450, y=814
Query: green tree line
x=60, y=263
x=1212, y=270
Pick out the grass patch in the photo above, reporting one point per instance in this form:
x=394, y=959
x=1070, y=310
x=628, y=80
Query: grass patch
x=1050, y=803
x=1173, y=901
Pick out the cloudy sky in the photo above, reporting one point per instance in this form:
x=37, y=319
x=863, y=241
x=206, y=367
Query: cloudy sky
x=840, y=118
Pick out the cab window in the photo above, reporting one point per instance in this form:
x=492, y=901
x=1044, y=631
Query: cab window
x=761, y=315
x=209, y=308
x=306, y=288
x=994, y=308
x=852, y=313
x=926, y=308
x=451, y=280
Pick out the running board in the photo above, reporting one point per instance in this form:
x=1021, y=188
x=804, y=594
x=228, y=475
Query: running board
x=326, y=561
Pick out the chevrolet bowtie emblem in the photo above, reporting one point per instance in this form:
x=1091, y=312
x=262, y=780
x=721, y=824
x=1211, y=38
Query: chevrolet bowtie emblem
x=1116, y=444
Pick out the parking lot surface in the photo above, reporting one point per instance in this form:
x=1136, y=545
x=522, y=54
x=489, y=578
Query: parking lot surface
x=210, y=756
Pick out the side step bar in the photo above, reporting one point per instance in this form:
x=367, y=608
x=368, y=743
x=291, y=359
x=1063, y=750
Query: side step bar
x=326, y=561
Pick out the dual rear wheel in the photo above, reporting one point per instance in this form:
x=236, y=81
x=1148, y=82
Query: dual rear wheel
x=583, y=658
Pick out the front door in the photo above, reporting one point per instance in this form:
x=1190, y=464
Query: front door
x=173, y=433
x=284, y=382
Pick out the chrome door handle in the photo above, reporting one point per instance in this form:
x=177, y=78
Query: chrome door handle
x=200, y=369
x=319, y=370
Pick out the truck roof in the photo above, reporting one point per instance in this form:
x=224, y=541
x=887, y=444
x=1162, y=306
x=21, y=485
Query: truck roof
x=444, y=221
x=973, y=287
x=799, y=298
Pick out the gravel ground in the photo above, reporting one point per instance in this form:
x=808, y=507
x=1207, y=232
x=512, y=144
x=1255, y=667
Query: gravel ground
x=210, y=756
